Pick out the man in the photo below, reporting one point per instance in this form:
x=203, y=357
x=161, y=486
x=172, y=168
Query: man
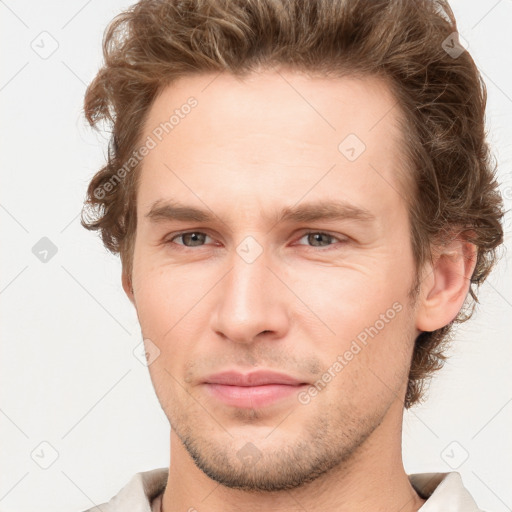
x=301, y=197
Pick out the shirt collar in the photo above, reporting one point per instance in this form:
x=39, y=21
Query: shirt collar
x=444, y=492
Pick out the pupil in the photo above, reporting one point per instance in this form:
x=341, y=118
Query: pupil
x=194, y=237
x=317, y=237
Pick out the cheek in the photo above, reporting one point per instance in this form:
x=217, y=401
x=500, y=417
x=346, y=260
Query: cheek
x=164, y=301
x=350, y=298
x=371, y=326
x=174, y=307
x=164, y=296
x=370, y=365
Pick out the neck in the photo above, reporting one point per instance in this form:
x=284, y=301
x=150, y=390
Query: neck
x=372, y=479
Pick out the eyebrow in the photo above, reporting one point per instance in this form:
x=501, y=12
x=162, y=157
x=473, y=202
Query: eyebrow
x=171, y=210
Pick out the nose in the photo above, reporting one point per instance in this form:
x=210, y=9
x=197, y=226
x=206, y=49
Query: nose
x=251, y=302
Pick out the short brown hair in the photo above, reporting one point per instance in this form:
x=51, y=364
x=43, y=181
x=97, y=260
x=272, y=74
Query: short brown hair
x=441, y=95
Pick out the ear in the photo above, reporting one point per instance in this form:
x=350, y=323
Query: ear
x=127, y=286
x=446, y=285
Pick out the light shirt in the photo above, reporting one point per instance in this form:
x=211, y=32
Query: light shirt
x=444, y=492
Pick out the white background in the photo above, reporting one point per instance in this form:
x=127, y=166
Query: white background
x=68, y=374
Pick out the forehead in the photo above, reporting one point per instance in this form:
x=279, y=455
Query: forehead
x=272, y=134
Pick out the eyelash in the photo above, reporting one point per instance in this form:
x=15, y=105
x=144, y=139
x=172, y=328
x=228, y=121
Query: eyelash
x=342, y=240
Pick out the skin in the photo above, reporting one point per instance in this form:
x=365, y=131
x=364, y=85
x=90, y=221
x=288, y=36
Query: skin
x=249, y=149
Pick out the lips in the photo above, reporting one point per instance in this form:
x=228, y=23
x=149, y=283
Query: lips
x=252, y=390
x=258, y=378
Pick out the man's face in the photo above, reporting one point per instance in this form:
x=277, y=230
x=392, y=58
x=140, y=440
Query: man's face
x=250, y=291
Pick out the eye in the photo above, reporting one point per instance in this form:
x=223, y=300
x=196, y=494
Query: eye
x=320, y=239
x=189, y=238
x=198, y=239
